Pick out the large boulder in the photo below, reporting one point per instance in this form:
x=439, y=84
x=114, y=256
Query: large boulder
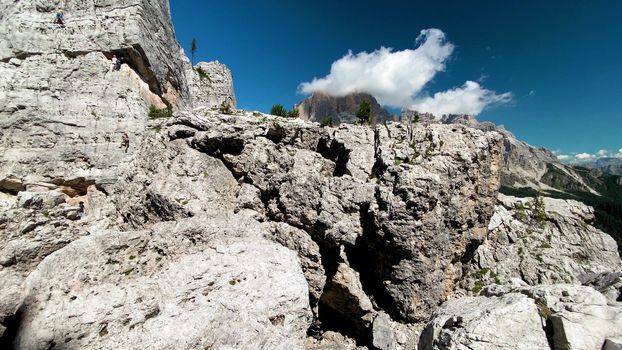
x=208, y=283
x=507, y=322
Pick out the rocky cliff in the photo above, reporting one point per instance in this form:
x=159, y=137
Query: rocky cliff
x=246, y=231
x=319, y=106
x=64, y=109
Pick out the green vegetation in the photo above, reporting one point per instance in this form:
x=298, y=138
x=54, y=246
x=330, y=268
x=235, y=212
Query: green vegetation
x=520, y=212
x=202, y=74
x=225, y=108
x=364, y=113
x=607, y=208
x=156, y=113
x=540, y=209
x=328, y=121
x=278, y=110
x=257, y=114
x=294, y=113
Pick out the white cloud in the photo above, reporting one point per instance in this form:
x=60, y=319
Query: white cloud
x=584, y=156
x=602, y=153
x=563, y=157
x=471, y=98
x=397, y=78
x=532, y=92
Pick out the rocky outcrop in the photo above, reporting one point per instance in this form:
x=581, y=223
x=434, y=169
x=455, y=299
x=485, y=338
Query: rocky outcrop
x=524, y=166
x=544, y=317
x=319, y=107
x=507, y=322
x=64, y=109
x=211, y=85
x=542, y=243
x=372, y=200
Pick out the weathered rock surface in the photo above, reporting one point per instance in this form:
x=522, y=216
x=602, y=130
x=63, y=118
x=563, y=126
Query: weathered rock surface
x=577, y=317
x=524, y=166
x=63, y=109
x=210, y=84
x=560, y=246
x=385, y=198
x=209, y=283
x=238, y=231
x=507, y=322
x=542, y=317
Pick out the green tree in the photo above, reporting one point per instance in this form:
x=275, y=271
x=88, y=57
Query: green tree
x=193, y=49
x=364, y=113
x=278, y=110
x=294, y=113
x=328, y=121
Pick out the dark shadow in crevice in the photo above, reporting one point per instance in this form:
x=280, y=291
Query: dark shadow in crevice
x=134, y=56
x=219, y=146
x=12, y=324
x=335, y=151
x=373, y=255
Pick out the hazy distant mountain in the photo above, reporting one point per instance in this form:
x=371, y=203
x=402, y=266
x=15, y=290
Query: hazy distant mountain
x=319, y=106
x=607, y=165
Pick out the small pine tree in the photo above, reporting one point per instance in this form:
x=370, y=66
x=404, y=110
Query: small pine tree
x=328, y=121
x=364, y=113
x=278, y=110
x=294, y=113
x=540, y=209
x=193, y=49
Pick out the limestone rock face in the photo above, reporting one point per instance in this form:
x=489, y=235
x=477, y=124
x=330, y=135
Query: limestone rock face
x=558, y=247
x=190, y=284
x=405, y=208
x=211, y=85
x=63, y=108
x=508, y=322
x=542, y=317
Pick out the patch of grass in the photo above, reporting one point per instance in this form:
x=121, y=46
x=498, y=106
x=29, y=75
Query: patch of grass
x=157, y=113
x=543, y=310
x=225, y=108
x=481, y=273
x=257, y=114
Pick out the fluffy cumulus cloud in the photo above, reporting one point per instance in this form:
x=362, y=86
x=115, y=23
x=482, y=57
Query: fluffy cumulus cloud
x=563, y=157
x=397, y=78
x=471, y=98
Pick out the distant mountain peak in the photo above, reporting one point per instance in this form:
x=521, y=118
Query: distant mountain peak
x=320, y=106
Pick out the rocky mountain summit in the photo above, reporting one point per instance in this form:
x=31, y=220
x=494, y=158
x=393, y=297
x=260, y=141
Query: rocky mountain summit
x=320, y=106
x=241, y=230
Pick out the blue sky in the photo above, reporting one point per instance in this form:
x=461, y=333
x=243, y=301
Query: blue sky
x=562, y=61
